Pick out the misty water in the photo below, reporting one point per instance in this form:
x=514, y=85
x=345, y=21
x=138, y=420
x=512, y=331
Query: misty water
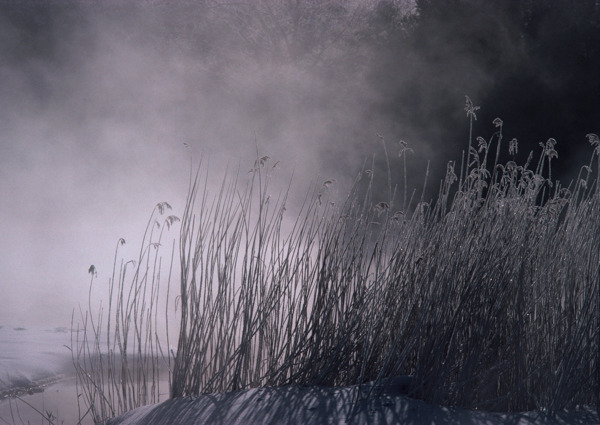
x=37, y=375
x=36, y=368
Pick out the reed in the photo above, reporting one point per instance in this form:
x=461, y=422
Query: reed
x=487, y=296
x=117, y=348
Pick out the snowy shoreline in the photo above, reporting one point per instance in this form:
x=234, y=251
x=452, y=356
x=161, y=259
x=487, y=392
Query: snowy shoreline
x=36, y=372
x=20, y=385
x=33, y=357
x=28, y=352
x=323, y=405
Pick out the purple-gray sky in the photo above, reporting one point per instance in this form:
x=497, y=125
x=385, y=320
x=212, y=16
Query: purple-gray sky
x=98, y=98
x=96, y=104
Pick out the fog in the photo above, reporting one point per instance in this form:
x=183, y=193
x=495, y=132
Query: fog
x=104, y=110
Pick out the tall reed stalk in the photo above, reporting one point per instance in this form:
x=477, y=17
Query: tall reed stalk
x=117, y=348
x=488, y=296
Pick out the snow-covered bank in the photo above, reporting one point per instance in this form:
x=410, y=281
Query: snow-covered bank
x=318, y=405
x=36, y=375
x=29, y=356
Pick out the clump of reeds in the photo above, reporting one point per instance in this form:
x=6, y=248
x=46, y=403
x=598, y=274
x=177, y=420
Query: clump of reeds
x=488, y=296
x=116, y=349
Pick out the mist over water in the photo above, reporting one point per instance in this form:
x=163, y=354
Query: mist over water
x=103, y=106
x=98, y=102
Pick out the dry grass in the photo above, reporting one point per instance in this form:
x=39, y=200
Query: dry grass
x=117, y=351
x=488, y=296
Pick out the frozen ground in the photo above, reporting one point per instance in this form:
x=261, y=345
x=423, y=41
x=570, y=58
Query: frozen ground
x=36, y=370
x=331, y=406
x=29, y=355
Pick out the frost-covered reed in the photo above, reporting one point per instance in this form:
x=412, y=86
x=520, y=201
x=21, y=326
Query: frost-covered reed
x=488, y=296
x=117, y=348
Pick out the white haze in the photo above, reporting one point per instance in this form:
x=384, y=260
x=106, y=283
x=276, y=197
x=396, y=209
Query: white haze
x=94, y=121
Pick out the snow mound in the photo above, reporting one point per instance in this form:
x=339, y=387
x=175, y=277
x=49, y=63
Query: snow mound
x=32, y=358
x=321, y=405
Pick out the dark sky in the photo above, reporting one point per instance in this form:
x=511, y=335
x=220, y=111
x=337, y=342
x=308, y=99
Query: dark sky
x=98, y=99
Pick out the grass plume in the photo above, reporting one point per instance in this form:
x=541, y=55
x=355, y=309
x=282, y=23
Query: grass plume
x=487, y=296
x=117, y=351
